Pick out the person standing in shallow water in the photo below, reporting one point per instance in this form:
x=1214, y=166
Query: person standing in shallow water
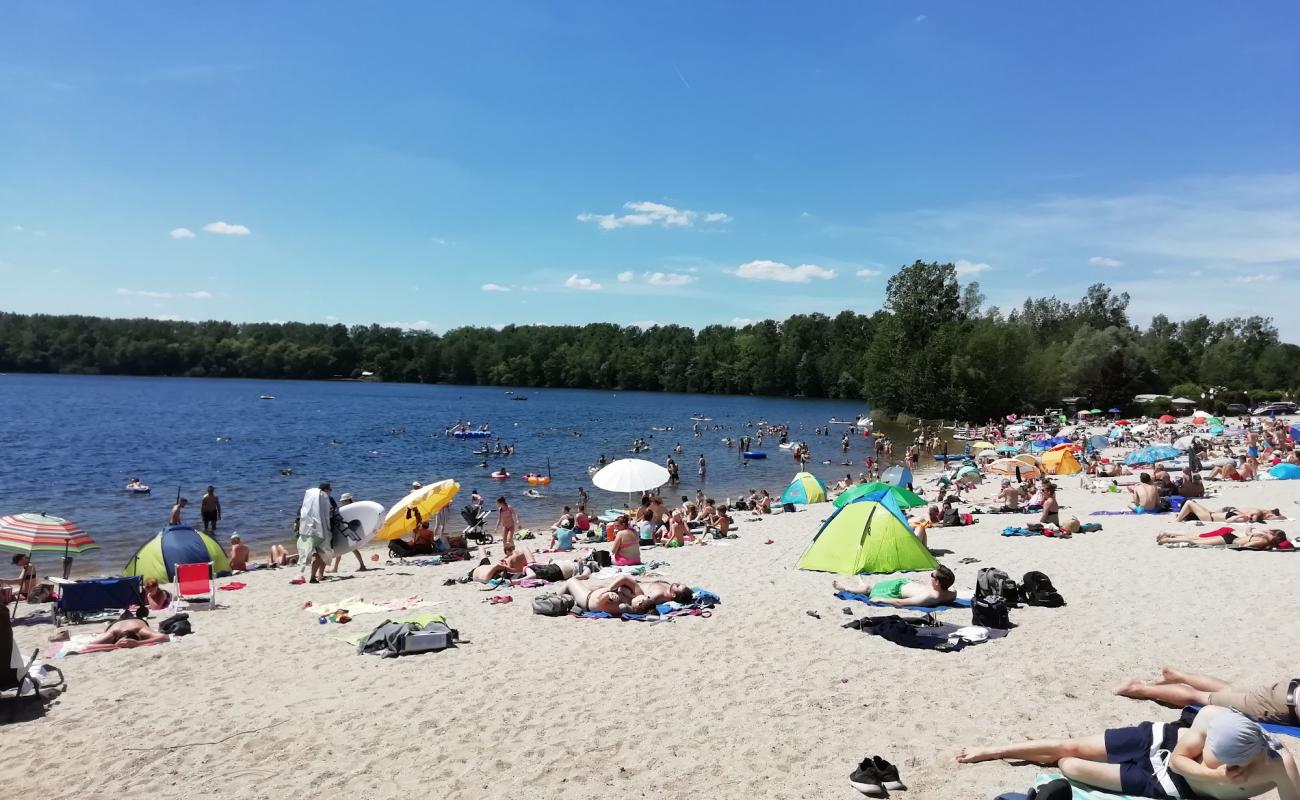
x=703, y=467
x=175, y=518
x=210, y=510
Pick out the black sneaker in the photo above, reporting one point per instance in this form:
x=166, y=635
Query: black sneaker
x=888, y=774
x=867, y=780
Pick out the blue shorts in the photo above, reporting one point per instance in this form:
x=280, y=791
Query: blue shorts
x=1252, y=451
x=1142, y=753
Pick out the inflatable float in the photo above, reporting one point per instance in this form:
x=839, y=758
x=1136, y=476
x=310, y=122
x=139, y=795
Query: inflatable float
x=753, y=454
x=471, y=434
x=537, y=480
x=500, y=475
x=138, y=489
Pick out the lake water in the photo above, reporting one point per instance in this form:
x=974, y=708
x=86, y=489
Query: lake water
x=70, y=444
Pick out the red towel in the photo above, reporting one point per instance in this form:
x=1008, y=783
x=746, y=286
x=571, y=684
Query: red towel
x=1216, y=532
x=232, y=586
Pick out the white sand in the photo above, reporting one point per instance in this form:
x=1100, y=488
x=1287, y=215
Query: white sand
x=761, y=700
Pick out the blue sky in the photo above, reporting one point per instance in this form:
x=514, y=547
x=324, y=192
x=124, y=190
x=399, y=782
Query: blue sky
x=433, y=165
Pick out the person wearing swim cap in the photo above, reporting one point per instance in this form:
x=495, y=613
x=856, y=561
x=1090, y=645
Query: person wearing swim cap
x=1221, y=755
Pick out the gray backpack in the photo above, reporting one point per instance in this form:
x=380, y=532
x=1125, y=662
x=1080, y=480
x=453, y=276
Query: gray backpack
x=552, y=605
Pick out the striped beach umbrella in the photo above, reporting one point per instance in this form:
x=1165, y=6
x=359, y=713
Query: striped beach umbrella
x=41, y=533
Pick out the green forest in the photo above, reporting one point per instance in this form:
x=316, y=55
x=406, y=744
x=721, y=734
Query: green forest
x=933, y=350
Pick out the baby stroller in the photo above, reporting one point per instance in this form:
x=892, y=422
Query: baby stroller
x=475, y=518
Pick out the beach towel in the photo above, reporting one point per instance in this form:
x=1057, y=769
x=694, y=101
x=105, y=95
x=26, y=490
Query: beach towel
x=1013, y=531
x=915, y=633
x=1126, y=513
x=862, y=598
x=80, y=645
x=1083, y=792
x=357, y=605
x=233, y=586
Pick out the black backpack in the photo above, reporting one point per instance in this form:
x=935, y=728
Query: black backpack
x=994, y=594
x=1038, y=590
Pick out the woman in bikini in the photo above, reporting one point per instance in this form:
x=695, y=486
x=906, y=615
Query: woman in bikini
x=156, y=597
x=1198, y=511
x=626, y=547
x=1252, y=539
x=613, y=598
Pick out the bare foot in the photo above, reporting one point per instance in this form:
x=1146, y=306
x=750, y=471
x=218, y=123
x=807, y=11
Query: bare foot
x=1129, y=686
x=836, y=586
x=974, y=755
x=1169, y=675
x=61, y=636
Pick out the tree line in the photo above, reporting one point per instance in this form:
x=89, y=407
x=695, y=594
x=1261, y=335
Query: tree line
x=933, y=350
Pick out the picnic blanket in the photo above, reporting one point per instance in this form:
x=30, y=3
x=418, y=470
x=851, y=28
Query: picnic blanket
x=701, y=605
x=862, y=598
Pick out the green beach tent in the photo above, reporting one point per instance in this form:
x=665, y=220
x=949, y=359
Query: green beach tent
x=176, y=544
x=863, y=538
x=876, y=490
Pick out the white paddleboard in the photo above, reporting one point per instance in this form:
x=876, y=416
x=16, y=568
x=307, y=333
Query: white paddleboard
x=369, y=513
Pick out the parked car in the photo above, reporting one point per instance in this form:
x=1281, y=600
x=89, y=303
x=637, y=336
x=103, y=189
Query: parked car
x=1280, y=407
x=1237, y=409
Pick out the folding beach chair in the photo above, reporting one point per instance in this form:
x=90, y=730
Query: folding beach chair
x=196, y=583
x=15, y=673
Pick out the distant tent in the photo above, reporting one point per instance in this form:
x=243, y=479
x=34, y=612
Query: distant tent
x=1285, y=472
x=862, y=538
x=876, y=491
x=176, y=544
x=1061, y=462
x=898, y=476
x=804, y=489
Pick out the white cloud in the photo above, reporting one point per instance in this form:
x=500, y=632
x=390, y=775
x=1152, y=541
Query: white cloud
x=493, y=287
x=1105, y=261
x=181, y=233
x=965, y=267
x=645, y=213
x=626, y=277
x=740, y=322
x=669, y=279
x=1258, y=277
x=919, y=18
x=226, y=229
x=585, y=284
x=1035, y=271
x=151, y=294
x=437, y=240
x=331, y=318
x=16, y=228
x=776, y=271
x=417, y=325
x=867, y=272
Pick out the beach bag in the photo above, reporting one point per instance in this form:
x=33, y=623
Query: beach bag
x=552, y=605
x=177, y=625
x=990, y=612
x=1037, y=590
x=993, y=582
x=951, y=517
x=602, y=558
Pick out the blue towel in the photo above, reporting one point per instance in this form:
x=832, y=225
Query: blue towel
x=862, y=598
x=703, y=597
x=1013, y=531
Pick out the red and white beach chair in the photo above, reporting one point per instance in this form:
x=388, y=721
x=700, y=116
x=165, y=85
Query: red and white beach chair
x=195, y=583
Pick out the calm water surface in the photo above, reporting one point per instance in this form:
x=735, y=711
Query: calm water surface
x=71, y=443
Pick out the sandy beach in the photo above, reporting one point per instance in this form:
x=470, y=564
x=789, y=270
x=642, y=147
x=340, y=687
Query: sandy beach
x=760, y=699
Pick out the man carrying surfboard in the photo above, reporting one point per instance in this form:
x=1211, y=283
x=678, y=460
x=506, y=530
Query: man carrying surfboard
x=346, y=499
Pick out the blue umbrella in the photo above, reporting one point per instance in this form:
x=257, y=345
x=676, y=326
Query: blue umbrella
x=1007, y=448
x=1115, y=411
x=1098, y=442
x=1285, y=472
x=1150, y=455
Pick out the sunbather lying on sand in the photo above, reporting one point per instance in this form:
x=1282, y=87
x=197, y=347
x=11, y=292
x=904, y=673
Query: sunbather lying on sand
x=652, y=593
x=1199, y=511
x=1222, y=755
x=129, y=633
x=908, y=594
x=1250, y=539
x=1261, y=702
x=554, y=571
x=614, y=597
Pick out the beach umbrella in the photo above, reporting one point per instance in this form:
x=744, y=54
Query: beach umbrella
x=1167, y=419
x=1151, y=455
x=1215, y=430
x=1010, y=467
x=1095, y=411
x=1186, y=442
x=1122, y=422
x=427, y=500
x=981, y=445
x=905, y=498
x=1009, y=449
x=41, y=533
x=1115, y=411
x=968, y=469
x=1027, y=458
x=1098, y=442
x=630, y=475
